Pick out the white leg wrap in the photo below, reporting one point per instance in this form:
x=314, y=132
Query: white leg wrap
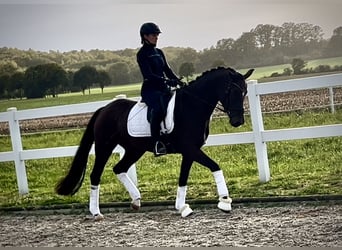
x=225, y=204
x=129, y=185
x=185, y=211
x=94, y=207
x=180, y=200
x=224, y=201
x=221, y=185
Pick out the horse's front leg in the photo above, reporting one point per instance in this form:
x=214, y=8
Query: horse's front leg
x=183, y=208
x=222, y=190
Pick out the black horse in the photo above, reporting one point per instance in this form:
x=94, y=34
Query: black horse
x=194, y=105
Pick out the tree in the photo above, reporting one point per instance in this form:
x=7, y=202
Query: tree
x=8, y=67
x=206, y=59
x=225, y=51
x=55, y=78
x=334, y=47
x=119, y=73
x=186, y=70
x=245, y=47
x=218, y=63
x=44, y=79
x=17, y=84
x=34, y=84
x=264, y=35
x=71, y=87
x=298, y=65
x=287, y=72
x=184, y=55
x=4, y=85
x=85, y=77
x=103, y=79
x=300, y=38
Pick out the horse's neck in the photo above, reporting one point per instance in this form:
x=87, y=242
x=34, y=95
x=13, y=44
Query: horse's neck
x=203, y=97
x=206, y=92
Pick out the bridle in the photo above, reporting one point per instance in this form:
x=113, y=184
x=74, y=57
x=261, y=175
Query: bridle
x=227, y=93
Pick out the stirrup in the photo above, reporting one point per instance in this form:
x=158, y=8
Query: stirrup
x=159, y=149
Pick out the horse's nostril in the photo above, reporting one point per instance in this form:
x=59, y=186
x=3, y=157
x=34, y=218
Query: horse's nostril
x=236, y=122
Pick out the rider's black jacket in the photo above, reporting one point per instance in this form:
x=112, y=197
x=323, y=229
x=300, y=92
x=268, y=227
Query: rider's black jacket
x=154, y=68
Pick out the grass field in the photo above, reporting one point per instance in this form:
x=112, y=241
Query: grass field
x=302, y=167
x=71, y=98
x=266, y=71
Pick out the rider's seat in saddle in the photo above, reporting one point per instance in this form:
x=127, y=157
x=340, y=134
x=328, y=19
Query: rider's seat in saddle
x=137, y=122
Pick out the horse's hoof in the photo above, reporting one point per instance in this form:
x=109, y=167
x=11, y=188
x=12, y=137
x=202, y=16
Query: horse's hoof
x=135, y=205
x=225, y=204
x=185, y=211
x=98, y=217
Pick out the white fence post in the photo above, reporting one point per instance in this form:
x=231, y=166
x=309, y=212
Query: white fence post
x=258, y=128
x=17, y=147
x=331, y=99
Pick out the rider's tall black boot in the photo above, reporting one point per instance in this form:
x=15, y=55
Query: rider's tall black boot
x=159, y=147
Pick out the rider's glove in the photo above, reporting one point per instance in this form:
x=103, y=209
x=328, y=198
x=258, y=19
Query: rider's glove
x=172, y=82
x=175, y=83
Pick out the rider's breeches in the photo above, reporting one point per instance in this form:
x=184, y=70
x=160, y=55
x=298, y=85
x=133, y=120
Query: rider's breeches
x=155, y=101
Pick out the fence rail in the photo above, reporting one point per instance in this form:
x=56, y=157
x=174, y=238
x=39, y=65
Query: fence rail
x=258, y=135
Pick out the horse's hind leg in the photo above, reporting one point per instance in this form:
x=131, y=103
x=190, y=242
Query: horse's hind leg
x=101, y=157
x=121, y=168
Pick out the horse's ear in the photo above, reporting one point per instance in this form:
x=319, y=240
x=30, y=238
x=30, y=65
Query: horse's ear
x=248, y=74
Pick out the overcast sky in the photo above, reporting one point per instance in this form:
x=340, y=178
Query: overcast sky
x=66, y=25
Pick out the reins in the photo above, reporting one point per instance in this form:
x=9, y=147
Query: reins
x=204, y=101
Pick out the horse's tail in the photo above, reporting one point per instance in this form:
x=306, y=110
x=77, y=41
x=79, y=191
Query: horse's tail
x=72, y=182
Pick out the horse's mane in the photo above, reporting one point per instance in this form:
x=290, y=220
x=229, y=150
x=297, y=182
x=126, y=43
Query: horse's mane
x=205, y=73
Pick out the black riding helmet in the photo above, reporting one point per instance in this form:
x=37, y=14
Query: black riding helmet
x=147, y=29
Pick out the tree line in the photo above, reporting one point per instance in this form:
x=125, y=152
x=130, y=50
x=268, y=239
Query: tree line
x=33, y=74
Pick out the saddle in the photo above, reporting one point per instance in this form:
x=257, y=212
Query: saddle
x=138, y=125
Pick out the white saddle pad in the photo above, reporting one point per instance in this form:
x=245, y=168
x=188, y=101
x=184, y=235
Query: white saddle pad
x=137, y=124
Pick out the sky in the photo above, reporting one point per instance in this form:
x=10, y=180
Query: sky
x=65, y=25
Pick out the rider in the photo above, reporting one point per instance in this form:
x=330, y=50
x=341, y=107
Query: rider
x=158, y=78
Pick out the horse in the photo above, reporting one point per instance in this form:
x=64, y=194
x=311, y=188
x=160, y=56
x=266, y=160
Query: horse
x=194, y=104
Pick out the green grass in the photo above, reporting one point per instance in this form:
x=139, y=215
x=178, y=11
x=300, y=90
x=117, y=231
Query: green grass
x=301, y=167
x=333, y=61
x=70, y=98
x=108, y=89
x=262, y=72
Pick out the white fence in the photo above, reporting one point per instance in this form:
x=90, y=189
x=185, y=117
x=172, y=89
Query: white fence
x=258, y=136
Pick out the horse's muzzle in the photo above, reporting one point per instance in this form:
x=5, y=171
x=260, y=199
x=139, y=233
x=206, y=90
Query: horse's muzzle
x=237, y=121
